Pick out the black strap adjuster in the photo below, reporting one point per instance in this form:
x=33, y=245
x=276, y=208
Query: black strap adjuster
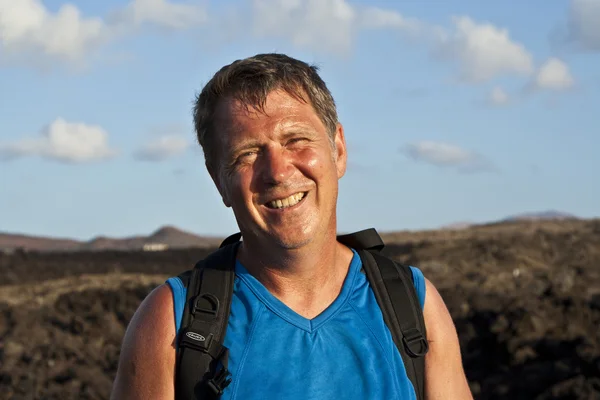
x=415, y=343
x=206, y=304
x=219, y=382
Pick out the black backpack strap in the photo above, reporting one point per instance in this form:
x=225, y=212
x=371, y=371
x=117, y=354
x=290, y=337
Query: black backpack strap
x=202, y=359
x=395, y=293
x=402, y=313
x=232, y=239
x=367, y=239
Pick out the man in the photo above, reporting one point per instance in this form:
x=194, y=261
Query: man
x=304, y=322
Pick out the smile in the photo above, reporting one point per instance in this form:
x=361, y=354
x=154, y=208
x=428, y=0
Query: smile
x=287, y=202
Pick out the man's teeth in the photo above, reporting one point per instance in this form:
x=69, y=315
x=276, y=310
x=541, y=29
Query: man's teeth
x=287, y=202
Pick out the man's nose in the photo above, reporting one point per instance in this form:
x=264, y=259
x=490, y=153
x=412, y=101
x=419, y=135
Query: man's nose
x=277, y=166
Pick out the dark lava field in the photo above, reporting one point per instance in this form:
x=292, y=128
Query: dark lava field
x=525, y=298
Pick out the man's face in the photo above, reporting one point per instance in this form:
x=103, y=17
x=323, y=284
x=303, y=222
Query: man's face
x=279, y=170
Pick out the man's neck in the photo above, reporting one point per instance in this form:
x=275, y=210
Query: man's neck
x=307, y=280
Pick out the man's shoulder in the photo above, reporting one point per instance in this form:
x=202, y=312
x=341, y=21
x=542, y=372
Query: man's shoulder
x=154, y=311
x=147, y=360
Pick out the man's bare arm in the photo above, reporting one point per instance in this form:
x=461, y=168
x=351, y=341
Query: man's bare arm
x=444, y=373
x=147, y=361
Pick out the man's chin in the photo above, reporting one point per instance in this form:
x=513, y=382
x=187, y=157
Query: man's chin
x=284, y=236
x=290, y=240
x=291, y=243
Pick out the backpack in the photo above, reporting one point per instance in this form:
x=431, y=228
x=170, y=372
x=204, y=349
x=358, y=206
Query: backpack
x=201, y=364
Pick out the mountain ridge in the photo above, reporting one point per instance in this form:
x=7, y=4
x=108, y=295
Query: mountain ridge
x=169, y=236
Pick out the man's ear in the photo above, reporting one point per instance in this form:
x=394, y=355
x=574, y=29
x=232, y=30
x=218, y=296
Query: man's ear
x=217, y=181
x=341, y=155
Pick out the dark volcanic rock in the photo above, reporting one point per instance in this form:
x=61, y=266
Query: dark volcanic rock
x=68, y=349
x=526, y=304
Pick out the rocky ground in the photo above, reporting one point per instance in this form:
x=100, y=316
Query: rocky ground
x=525, y=298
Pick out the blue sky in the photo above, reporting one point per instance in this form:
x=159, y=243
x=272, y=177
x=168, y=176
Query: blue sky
x=453, y=111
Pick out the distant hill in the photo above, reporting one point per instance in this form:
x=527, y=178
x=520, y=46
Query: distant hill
x=550, y=215
x=538, y=216
x=16, y=241
x=165, y=237
x=174, y=238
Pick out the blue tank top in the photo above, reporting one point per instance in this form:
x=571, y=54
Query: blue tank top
x=346, y=352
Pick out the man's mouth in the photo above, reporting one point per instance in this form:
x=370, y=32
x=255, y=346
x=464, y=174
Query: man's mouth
x=287, y=202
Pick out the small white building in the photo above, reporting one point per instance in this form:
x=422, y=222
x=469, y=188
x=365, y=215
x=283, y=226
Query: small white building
x=155, y=246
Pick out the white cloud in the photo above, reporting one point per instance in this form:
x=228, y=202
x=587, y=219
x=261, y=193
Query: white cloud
x=554, y=75
x=63, y=141
x=584, y=24
x=27, y=29
x=483, y=51
x=446, y=155
x=377, y=18
x=162, y=148
x=498, y=97
x=326, y=25
x=161, y=13
x=30, y=33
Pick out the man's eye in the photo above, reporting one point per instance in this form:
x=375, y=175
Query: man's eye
x=296, y=140
x=245, y=155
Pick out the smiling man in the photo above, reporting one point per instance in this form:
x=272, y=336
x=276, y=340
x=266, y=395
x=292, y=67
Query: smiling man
x=302, y=319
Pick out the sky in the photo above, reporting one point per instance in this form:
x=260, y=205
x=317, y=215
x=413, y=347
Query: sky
x=454, y=111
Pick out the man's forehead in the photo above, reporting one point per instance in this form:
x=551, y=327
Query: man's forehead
x=232, y=111
x=234, y=114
